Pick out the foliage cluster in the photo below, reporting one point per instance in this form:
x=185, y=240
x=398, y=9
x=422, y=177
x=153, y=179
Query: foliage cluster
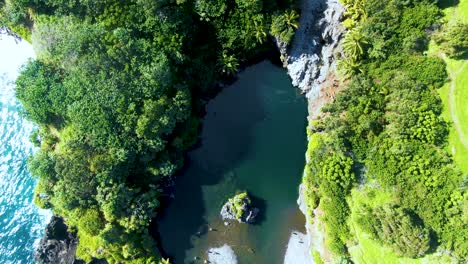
x=115, y=92
x=388, y=122
x=240, y=202
x=329, y=178
x=453, y=38
x=398, y=228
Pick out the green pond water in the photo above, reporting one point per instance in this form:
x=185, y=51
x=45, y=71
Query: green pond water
x=253, y=138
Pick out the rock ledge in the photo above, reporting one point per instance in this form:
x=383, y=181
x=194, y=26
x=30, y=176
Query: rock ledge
x=58, y=246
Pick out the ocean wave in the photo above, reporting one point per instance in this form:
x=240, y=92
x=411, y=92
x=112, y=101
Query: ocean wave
x=21, y=223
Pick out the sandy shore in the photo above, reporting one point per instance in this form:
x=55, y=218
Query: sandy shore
x=298, y=249
x=222, y=255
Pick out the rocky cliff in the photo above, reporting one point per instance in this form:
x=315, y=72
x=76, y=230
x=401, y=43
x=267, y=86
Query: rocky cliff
x=58, y=246
x=311, y=62
x=311, y=58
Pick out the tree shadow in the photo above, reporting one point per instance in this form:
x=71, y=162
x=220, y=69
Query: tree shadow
x=261, y=204
x=225, y=139
x=464, y=55
x=309, y=34
x=215, y=170
x=447, y=3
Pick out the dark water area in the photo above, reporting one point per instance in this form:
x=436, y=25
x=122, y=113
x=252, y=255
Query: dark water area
x=253, y=138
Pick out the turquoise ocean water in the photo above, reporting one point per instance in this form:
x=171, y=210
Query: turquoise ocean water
x=21, y=223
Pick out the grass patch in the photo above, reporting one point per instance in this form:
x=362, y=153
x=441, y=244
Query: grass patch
x=458, y=139
x=458, y=70
x=368, y=250
x=456, y=148
x=461, y=97
x=463, y=10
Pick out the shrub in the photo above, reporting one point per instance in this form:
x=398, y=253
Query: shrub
x=453, y=39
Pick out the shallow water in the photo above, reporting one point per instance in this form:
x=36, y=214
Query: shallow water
x=253, y=139
x=21, y=223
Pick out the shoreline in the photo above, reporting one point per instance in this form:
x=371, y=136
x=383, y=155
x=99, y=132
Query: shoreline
x=312, y=68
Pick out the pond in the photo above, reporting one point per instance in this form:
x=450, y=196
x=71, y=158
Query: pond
x=253, y=138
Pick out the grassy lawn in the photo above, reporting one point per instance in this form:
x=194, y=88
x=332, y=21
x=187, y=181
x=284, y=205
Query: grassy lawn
x=460, y=101
x=369, y=251
x=455, y=94
x=463, y=10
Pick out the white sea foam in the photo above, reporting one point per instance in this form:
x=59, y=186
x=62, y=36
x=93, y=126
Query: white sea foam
x=21, y=222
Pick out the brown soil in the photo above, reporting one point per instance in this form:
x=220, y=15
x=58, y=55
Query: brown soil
x=328, y=92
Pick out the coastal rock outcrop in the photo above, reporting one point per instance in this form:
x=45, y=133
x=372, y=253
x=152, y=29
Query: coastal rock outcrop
x=311, y=58
x=58, y=246
x=239, y=208
x=315, y=232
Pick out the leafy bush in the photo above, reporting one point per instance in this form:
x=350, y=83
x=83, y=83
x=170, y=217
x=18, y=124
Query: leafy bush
x=284, y=25
x=453, y=39
x=238, y=202
x=399, y=229
x=116, y=92
x=388, y=124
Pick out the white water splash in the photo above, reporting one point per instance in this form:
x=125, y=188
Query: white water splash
x=21, y=223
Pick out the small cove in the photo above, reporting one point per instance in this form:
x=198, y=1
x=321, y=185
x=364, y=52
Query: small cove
x=253, y=138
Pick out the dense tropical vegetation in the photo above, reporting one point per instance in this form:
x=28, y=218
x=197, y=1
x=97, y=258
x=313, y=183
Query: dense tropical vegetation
x=384, y=136
x=118, y=87
x=116, y=92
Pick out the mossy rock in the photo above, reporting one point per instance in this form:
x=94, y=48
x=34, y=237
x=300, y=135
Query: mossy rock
x=239, y=208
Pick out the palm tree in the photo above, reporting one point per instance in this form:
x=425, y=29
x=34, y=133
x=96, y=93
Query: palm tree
x=164, y=261
x=229, y=64
x=283, y=26
x=353, y=44
x=355, y=9
x=348, y=67
x=291, y=17
x=260, y=33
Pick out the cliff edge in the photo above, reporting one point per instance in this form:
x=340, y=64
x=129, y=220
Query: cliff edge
x=311, y=58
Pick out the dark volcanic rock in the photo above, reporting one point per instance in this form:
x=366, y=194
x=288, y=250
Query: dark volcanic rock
x=58, y=246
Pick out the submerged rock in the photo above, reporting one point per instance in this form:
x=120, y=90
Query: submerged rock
x=58, y=246
x=239, y=208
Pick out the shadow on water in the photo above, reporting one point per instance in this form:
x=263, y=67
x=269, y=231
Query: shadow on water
x=261, y=204
x=225, y=140
x=252, y=139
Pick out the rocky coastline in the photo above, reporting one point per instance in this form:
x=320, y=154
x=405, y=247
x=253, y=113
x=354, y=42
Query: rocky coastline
x=58, y=245
x=311, y=58
x=311, y=62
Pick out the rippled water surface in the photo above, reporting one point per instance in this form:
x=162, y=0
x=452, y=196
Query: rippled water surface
x=21, y=223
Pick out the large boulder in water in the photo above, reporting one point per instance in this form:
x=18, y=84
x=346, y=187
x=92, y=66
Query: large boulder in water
x=58, y=246
x=239, y=208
